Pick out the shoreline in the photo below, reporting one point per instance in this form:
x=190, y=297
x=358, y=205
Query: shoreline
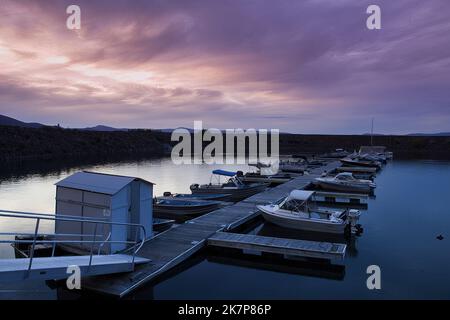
x=18, y=144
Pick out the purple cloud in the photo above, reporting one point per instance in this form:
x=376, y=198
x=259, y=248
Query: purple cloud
x=301, y=66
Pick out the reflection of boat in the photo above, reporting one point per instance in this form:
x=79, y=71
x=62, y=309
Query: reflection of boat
x=179, y=207
x=298, y=211
x=234, y=186
x=361, y=163
x=197, y=196
x=345, y=182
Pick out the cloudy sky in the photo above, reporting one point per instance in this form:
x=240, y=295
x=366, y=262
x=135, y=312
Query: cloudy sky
x=307, y=66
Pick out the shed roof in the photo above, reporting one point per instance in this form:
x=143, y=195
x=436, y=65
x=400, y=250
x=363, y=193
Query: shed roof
x=97, y=182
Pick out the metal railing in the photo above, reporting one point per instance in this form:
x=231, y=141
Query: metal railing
x=90, y=239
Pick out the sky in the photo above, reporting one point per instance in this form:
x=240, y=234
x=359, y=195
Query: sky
x=307, y=66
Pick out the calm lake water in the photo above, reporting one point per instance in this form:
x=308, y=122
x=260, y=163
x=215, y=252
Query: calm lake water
x=400, y=228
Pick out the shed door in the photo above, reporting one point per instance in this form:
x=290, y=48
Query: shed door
x=85, y=204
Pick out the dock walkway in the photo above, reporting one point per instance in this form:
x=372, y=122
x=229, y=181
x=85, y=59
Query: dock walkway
x=177, y=244
x=285, y=247
x=55, y=268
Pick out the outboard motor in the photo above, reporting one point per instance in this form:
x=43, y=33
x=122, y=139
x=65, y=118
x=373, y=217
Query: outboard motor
x=194, y=186
x=167, y=194
x=353, y=217
x=239, y=173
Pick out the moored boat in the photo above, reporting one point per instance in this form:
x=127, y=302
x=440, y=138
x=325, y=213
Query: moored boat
x=345, y=182
x=163, y=207
x=361, y=163
x=235, y=187
x=293, y=166
x=187, y=196
x=272, y=180
x=299, y=211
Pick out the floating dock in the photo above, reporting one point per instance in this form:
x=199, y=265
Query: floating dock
x=286, y=247
x=357, y=169
x=177, y=244
x=341, y=198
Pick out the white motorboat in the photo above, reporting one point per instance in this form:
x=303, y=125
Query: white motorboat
x=299, y=211
x=345, y=182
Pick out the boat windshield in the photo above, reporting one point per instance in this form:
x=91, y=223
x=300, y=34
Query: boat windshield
x=344, y=177
x=295, y=205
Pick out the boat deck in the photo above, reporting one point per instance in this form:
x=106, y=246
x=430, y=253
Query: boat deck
x=177, y=244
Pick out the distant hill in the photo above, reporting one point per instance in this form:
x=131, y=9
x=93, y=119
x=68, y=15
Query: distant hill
x=7, y=121
x=169, y=130
x=102, y=128
x=439, y=134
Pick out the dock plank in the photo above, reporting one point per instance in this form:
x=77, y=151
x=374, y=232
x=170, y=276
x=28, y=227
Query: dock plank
x=290, y=247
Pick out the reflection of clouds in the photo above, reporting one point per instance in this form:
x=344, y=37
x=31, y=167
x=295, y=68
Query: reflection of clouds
x=289, y=65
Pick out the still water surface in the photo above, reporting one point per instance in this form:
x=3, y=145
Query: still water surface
x=400, y=228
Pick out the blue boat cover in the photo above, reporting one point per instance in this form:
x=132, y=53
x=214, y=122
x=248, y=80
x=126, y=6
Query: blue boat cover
x=224, y=173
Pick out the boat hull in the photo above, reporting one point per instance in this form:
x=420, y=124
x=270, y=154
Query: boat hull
x=172, y=209
x=362, y=188
x=236, y=194
x=272, y=180
x=360, y=163
x=305, y=224
x=214, y=197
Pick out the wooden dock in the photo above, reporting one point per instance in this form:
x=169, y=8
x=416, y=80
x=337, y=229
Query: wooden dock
x=285, y=247
x=341, y=197
x=357, y=169
x=177, y=244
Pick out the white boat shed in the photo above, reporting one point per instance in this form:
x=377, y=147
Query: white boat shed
x=104, y=197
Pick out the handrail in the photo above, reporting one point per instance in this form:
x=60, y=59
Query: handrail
x=139, y=230
x=46, y=214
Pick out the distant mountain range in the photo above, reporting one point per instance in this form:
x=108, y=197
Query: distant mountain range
x=102, y=128
x=8, y=121
x=439, y=134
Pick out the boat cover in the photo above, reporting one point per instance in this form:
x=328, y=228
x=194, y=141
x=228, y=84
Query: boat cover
x=224, y=173
x=300, y=195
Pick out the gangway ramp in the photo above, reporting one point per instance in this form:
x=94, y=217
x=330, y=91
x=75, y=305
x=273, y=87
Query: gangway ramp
x=55, y=268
